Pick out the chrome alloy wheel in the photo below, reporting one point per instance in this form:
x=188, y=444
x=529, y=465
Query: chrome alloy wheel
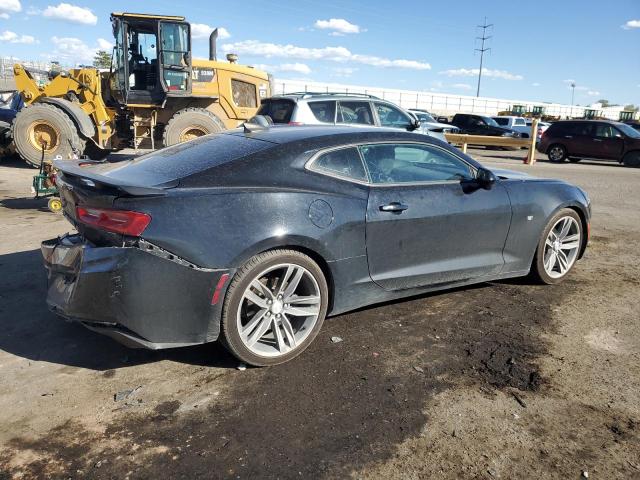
x=278, y=310
x=561, y=247
x=556, y=154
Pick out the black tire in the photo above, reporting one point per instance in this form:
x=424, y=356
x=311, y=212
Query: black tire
x=190, y=123
x=230, y=335
x=574, y=159
x=538, y=272
x=632, y=159
x=94, y=152
x=557, y=153
x=65, y=139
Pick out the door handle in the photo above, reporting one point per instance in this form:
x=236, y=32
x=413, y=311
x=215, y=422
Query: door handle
x=568, y=136
x=394, y=207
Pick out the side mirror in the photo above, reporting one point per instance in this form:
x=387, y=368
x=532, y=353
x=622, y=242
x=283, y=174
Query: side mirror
x=414, y=125
x=485, y=178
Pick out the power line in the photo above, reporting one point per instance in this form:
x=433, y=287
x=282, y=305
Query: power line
x=482, y=49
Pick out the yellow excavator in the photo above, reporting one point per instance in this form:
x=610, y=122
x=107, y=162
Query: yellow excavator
x=154, y=92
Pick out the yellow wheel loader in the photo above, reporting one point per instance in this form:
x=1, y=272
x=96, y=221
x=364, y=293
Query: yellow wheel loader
x=154, y=93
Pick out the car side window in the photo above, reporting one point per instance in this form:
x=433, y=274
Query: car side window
x=413, y=163
x=519, y=122
x=605, y=131
x=355, y=112
x=391, y=116
x=324, y=111
x=345, y=162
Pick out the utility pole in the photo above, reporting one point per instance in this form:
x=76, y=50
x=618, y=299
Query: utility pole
x=483, y=38
x=573, y=91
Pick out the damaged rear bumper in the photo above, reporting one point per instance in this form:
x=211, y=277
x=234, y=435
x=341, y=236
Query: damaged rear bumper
x=140, y=296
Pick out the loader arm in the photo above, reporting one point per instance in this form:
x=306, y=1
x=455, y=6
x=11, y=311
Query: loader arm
x=80, y=86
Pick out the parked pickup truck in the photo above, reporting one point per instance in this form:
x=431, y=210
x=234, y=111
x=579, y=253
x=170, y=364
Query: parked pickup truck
x=481, y=125
x=519, y=124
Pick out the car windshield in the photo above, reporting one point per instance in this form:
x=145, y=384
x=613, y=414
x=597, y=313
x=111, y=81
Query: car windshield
x=424, y=117
x=628, y=130
x=490, y=121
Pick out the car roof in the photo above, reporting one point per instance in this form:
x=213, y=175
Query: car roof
x=324, y=96
x=281, y=134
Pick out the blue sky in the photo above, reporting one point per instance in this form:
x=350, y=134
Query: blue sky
x=538, y=47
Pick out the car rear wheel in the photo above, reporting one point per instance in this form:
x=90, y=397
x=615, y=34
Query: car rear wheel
x=558, y=248
x=557, y=153
x=274, y=308
x=632, y=159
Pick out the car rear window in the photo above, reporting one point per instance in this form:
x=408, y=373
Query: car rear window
x=324, y=111
x=180, y=161
x=279, y=109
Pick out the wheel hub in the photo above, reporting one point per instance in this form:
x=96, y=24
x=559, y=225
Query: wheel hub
x=276, y=307
x=42, y=133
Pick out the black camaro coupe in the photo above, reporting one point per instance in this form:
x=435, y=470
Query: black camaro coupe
x=255, y=235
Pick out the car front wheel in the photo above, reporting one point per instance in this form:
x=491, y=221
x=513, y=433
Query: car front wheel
x=274, y=308
x=558, y=247
x=557, y=153
x=632, y=159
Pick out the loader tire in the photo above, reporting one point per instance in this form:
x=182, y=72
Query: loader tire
x=190, y=123
x=40, y=123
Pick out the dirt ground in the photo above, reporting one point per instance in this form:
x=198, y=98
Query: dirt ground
x=501, y=380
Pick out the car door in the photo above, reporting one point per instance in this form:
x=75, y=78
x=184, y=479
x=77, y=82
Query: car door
x=577, y=138
x=392, y=117
x=355, y=112
x=422, y=228
x=607, y=142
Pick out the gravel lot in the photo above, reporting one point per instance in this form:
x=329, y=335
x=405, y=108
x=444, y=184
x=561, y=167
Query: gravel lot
x=502, y=380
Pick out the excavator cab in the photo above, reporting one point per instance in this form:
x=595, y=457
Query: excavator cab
x=152, y=58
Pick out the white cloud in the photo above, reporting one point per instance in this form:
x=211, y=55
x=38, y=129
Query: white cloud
x=105, y=44
x=31, y=11
x=72, y=50
x=334, y=54
x=12, y=37
x=338, y=26
x=535, y=84
x=9, y=6
x=569, y=81
x=462, y=86
x=202, y=30
x=593, y=93
x=71, y=13
x=344, y=71
x=631, y=24
x=487, y=72
x=285, y=67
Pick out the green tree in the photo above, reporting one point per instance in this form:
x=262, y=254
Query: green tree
x=631, y=108
x=102, y=59
x=604, y=102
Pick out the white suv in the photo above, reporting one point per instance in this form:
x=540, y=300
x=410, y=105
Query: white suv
x=307, y=108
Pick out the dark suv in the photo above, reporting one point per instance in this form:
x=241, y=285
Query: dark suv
x=482, y=125
x=601, y=139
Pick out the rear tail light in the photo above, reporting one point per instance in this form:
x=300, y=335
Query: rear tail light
x=296, y=123
x=119, y=221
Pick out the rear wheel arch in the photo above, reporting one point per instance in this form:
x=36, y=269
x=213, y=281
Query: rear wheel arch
x=631, y=158
x=303, y=247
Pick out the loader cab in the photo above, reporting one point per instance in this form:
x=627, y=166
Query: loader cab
x=152, y=58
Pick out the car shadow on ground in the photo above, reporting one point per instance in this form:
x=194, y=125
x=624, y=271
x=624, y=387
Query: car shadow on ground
x=26, y=203
x=30, y=330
